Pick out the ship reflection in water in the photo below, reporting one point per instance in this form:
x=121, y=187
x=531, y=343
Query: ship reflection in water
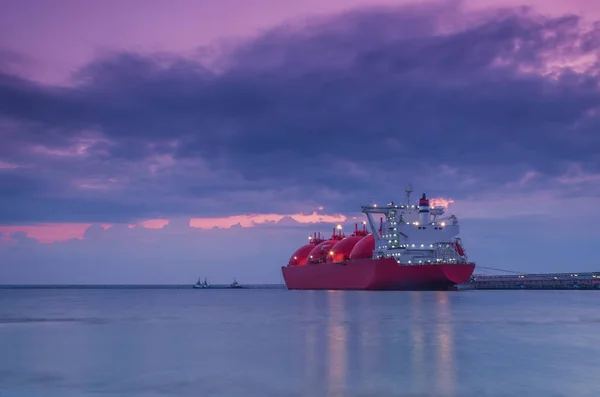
x=411, y=339
x=417, y=338
x=444, y=346
x=337, y=332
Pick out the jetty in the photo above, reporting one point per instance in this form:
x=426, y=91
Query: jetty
x=575, y=280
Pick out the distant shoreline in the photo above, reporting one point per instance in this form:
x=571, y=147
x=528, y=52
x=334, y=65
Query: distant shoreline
x=130, y=286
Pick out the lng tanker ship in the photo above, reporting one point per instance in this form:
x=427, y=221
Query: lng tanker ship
x=414, y=248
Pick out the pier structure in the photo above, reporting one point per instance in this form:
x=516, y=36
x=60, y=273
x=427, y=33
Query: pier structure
x=575, y=280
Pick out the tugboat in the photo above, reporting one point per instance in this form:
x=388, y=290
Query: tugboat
x=235, y=284
x=201, y=284
x=205, y=285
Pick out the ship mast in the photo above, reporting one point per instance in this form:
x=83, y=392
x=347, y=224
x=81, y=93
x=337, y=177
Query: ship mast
x=408, y=191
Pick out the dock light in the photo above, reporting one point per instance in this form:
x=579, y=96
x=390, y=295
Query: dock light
x=443, y=223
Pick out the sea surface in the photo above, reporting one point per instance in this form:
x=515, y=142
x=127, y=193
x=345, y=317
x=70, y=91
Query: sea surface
x=274, y=342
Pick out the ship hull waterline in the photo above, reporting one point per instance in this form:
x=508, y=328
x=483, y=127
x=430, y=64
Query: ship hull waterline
x=376, y=274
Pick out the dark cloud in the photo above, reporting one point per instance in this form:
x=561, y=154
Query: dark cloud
x=330, y=112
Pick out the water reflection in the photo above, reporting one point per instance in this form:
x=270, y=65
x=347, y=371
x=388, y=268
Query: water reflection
x=431, y=338
x=305, y=343
x=413, y=338
x=417, y=338
x=445, y=373
x=311, y=359
x=337, y=337
x=368, y=332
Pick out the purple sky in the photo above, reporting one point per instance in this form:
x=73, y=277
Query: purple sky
x=120, y=117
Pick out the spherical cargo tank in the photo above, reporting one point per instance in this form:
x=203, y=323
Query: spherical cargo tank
x=320, y=251
x=364, y=248
x=341, y=251
x=299, y=258
x=301, y=255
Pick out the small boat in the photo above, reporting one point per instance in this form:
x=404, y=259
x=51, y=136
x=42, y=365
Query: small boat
x=203, y=284
x=235, y=284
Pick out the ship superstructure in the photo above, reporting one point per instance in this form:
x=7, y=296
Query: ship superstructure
x=416, y=234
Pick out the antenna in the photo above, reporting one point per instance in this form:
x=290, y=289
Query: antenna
x=408, y=191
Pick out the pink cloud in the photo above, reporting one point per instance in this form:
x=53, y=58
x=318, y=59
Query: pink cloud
x=79, y=147
x=49, y=233
x=527, y=177
x=7, y=166
x=257, y=219
x=154, y=223
x=440, y=201
x=576, y=175
x=55, y=232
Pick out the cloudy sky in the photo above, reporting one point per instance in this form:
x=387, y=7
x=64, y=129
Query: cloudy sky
x=147, y=141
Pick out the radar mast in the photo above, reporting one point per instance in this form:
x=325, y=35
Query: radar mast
x=408, y=191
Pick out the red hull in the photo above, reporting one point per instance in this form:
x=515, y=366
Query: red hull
x=376, y=274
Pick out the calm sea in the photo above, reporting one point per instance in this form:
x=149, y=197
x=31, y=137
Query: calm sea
x=273, y=342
